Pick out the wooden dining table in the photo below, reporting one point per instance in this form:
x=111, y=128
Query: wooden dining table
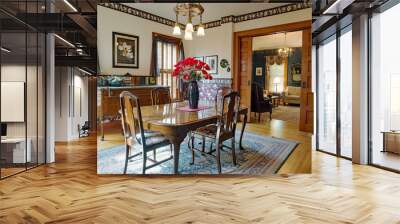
x=175, y=123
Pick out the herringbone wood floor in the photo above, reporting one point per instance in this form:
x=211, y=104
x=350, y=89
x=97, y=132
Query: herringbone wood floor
x=69, y=191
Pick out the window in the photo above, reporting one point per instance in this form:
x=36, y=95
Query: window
x=326, y=108
x=167, y=56
x=346, y=93
x=385, y=89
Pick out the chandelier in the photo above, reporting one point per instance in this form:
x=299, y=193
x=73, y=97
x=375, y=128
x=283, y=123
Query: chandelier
x=285, y=51
x=188, y=10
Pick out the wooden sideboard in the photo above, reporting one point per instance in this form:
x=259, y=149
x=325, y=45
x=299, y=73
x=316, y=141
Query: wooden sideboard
x=110, y=98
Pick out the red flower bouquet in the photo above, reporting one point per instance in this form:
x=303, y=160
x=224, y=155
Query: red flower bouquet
x=191, y=69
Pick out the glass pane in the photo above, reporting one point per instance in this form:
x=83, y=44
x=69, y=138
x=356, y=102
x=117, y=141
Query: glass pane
x=385, y=84
x=346, y=94
x=31, y=98
x=14, y=150
x=41, y=98
x=327, y=96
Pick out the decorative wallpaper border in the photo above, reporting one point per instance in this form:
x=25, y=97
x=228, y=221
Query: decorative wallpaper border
x=139, y=13
x=227, y=19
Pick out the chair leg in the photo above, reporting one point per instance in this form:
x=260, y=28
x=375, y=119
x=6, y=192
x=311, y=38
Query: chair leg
x=233, y=151
x=203, y=143
x=259, y=117
x=270, y=115
x=144, y=162
x=126, y=158
x=192, y=148
x=154, y=155
x=171, y=149
x=218, y=147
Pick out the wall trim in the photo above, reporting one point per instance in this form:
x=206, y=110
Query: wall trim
x=226, y=19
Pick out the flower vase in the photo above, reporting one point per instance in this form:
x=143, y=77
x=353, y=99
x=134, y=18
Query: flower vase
x=193, y=93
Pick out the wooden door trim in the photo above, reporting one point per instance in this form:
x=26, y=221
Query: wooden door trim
x=289, y=27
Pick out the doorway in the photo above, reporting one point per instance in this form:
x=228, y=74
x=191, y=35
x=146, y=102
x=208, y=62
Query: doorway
x=244, y=68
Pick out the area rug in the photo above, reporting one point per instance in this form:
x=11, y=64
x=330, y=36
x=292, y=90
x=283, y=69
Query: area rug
x=262, y=155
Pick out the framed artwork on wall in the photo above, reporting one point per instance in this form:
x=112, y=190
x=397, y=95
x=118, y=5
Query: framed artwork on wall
x=125, y=50
x=296, y=72
x=259, y=71
x=212, y=61
x=200, y=58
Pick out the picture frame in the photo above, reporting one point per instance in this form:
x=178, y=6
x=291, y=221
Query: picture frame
x=212, y=61
x=200, y=58
x=125, y=50
x=259, y=71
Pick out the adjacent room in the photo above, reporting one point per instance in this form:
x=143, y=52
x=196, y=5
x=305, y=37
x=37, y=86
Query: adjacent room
x=181, y=66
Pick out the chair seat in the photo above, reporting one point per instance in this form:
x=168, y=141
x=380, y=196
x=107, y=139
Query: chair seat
x=209, y=131
x=154, y=139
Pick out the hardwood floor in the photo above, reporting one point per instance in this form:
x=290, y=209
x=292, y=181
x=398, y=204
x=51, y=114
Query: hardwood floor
x=70, y=191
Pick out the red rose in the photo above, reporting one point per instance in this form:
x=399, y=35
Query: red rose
x=207, y=67
x=186, y=77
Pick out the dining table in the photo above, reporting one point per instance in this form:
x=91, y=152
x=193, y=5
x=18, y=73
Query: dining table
x=175, y=122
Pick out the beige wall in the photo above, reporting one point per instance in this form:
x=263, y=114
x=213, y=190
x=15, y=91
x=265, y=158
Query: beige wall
x=108, y=21
x=71, y=87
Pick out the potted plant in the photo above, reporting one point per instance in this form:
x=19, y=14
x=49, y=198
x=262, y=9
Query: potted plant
x=192, y=70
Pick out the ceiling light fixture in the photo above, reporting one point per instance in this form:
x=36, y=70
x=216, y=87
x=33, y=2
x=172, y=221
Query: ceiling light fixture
x=190, y=10
x=5, y=50
x=64, y=40
x=285, y=51
x=70, y=5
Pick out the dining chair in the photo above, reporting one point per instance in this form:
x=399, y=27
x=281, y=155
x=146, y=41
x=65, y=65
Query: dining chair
x=135, y=134
x=223, y=130
x=160, y=95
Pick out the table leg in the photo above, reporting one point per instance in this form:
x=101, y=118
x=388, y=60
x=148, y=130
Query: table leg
x=242, y=131
x=177, y=147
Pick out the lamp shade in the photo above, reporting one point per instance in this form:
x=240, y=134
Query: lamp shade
x=277, y=80
x=200, y=31
x=177, y=30
x=188, y=36
x=189, y=27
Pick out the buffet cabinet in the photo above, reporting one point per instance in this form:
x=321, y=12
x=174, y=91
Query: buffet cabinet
x=110, y=98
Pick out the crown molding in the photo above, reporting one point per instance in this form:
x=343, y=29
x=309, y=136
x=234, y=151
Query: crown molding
x=226, y=19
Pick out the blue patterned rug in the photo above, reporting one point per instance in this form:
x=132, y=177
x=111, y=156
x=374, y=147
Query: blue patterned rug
x=261, y=156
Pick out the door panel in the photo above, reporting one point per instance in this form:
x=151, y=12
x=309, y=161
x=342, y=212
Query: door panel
x=245, y=66
x=307, y=96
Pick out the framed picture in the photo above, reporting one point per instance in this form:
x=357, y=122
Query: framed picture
x=200, y=58
x=296, y=72
x=212, y=61
x=259, y=71
x=125, y=50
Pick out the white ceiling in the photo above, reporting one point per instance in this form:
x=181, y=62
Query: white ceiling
x=274, y=41
x=212, y=11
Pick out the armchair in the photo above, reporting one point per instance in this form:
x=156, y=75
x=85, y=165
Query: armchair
x=258, y=103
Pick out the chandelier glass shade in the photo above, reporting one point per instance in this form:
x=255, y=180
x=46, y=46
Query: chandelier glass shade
x=177, y=30
x=188, y=10
x=285, y=51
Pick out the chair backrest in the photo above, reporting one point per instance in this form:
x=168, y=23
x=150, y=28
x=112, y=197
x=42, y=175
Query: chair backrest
x=131, y=115
x=228, y=112
x=160, y=95
x=221, y=92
